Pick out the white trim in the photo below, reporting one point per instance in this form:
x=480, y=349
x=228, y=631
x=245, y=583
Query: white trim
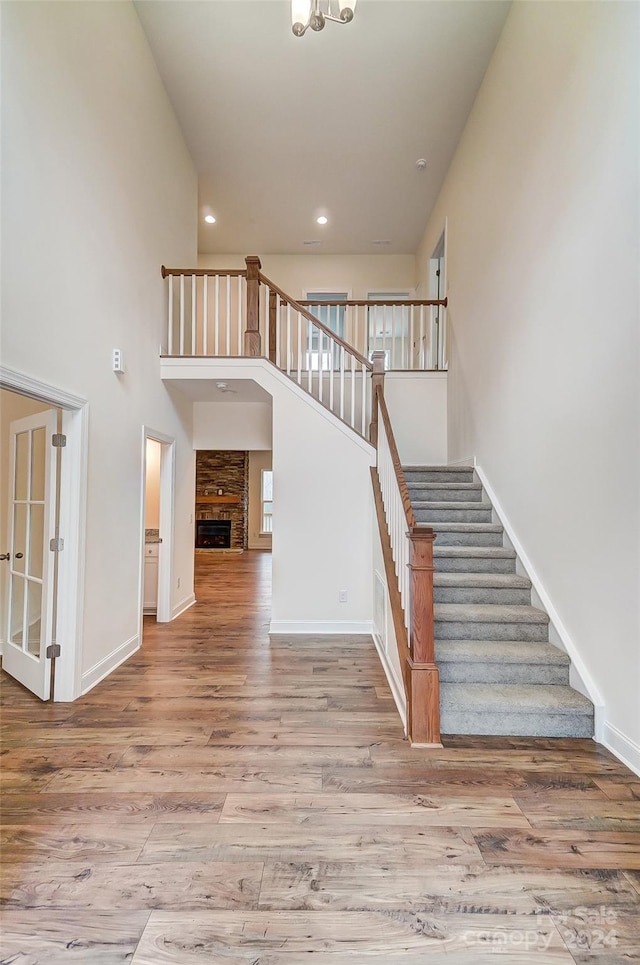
x=73, y=511
x=183, y=605
x=364, y=627
x=35, y=389
x=261, y=371
x=625, y=749
x=396, y=688
x=581, y=680
x=470, y=462
x=109, y=663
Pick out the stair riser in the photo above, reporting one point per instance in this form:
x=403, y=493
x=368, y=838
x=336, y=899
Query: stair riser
x=450, y=630
x=431, y=476
x=468, y=539
x=517, y=725
x=476, y=594
x=452, y=515
x=445, y=495
x=467, y=672
x=446, y=564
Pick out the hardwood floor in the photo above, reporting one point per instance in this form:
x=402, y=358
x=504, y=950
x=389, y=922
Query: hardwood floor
x=227, y=798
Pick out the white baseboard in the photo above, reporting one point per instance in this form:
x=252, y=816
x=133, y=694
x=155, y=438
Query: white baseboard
x=396, y=687
x=321, y=626
x=108, y=664
x=584, y=682
x=183, y=605
x=625, y=749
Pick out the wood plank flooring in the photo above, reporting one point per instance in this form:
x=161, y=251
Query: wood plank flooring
x=228, y=798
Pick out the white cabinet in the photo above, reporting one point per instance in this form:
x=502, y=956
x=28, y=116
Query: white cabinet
x=150, y=586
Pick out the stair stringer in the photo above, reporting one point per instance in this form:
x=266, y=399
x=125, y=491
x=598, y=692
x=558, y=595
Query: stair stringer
x=580, y=678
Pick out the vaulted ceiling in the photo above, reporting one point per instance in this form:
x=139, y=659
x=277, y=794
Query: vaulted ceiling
x=282, y=129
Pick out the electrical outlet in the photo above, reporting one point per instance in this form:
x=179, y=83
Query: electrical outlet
x=342, y=596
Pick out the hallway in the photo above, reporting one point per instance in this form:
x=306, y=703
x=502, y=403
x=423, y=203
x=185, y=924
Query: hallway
x=228, y=798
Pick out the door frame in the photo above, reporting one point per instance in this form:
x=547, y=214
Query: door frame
x=73, y=511
x=439, y=255
x=166, y=528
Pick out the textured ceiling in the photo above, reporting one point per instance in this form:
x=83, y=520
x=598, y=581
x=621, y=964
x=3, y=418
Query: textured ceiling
x=282, y=129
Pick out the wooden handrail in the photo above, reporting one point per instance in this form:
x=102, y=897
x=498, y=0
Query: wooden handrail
x=232, y=272
x=370, y=303
x=395, y=458
x=312, y=318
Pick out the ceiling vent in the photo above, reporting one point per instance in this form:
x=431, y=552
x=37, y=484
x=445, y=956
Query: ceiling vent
x=312, y=244
x=381, y=242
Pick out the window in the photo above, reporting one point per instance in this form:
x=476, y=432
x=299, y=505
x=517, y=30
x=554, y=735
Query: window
x=266, y=497
x=322, y=352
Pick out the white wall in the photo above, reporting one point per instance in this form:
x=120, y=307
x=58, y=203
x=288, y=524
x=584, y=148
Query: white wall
x=542, y=207
x=98, y=192
x=322, y=503
x=232, y=425
x=417, y=404
x=355, y=274
x=257, y=462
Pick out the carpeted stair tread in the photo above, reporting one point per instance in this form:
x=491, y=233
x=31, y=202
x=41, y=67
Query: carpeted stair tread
x=454, y=507
x=500, y=651
x=514, y=699
x=474, y=552
x=443, y=469
x=447, y=486
x=447, y=527
x=488, y=613
x=498, y=580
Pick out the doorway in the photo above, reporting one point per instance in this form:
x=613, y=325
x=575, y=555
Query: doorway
x=43, y=499
x=435, y=350
x=158, y=484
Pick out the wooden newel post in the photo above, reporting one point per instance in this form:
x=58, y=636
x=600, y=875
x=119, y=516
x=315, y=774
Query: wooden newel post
x=424, y=705
x=252, y=342
x=377, y=383
x=273, y=321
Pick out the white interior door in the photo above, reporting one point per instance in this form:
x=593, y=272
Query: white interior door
x=32, y=491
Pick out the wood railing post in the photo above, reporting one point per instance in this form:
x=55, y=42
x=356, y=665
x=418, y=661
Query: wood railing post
x=424, y=705
x=377, y=383
x=273, y=325
x=252, y=341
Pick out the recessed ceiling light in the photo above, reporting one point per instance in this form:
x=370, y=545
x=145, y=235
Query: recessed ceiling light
x=209, y=219
x=322, y=219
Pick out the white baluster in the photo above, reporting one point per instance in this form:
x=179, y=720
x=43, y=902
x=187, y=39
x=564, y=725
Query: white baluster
x=342, y=381
x=216, y=317
x=353, y=392
x=181, y=314
x=309, y=356
x=421, y=351
x=228, y=326
x=299, y=365
x=288, y=339
x=240, y=332
x=170, y=339
x=205, y=314
x=363, y=375
x=331, y=372
x=320, y=366
x=193, y=315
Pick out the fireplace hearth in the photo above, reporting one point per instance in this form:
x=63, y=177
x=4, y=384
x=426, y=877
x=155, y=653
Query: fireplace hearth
x=213, y=534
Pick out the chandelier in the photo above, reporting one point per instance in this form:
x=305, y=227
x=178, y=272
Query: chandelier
x=314, y=13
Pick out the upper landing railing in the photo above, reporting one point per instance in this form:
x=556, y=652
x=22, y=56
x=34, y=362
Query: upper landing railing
x=207, y=315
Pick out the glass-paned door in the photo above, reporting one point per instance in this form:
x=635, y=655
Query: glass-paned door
x=322, y=352
x=32, y=475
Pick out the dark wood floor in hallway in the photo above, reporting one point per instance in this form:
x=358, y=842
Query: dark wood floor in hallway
x=227, y=798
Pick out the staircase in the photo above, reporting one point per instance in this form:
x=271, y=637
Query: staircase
x=498, y=672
